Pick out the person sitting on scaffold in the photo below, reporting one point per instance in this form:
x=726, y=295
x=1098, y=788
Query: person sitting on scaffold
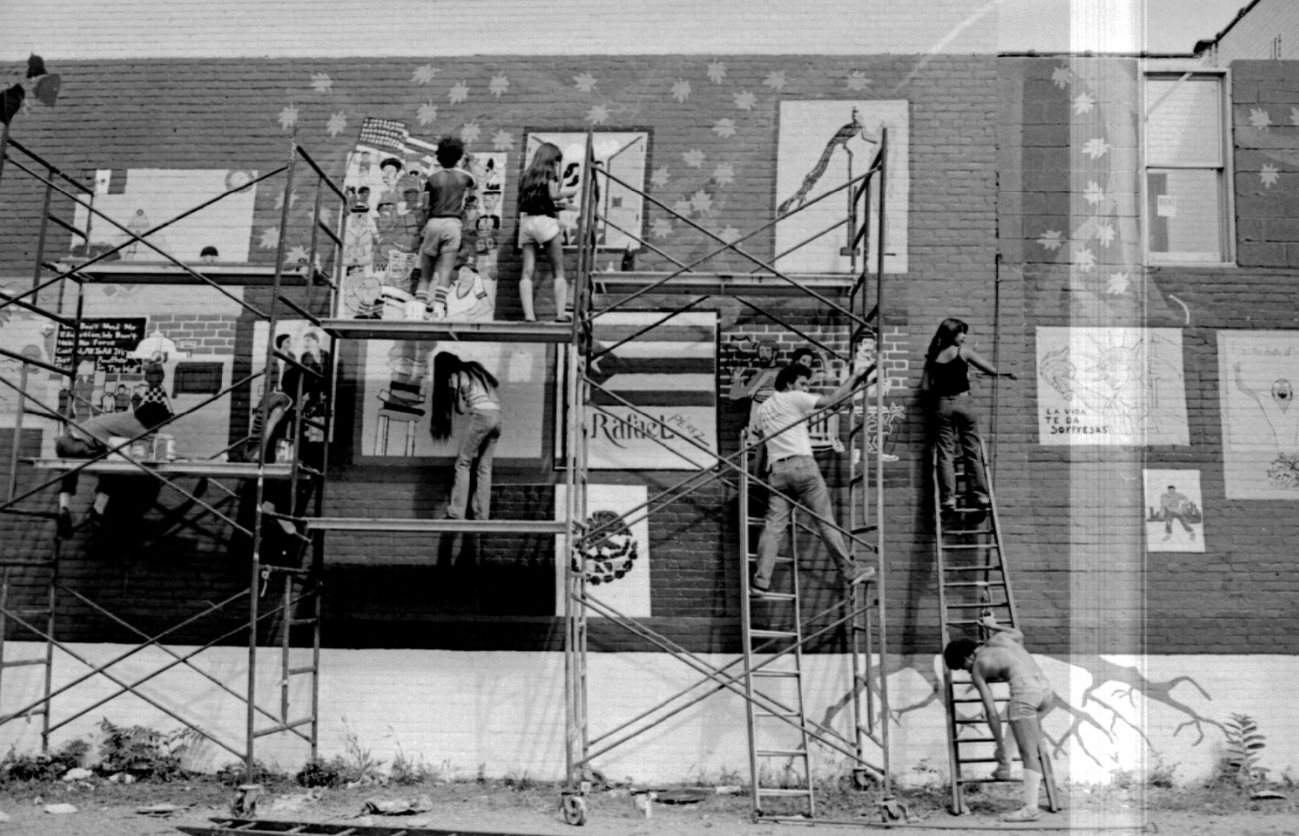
x=792, y=470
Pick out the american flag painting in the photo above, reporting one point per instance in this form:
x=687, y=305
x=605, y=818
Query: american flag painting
x=654, y=405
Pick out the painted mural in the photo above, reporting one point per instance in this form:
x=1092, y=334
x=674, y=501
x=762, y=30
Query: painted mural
x=139, y=199
x=308, y=345
x=656, y=405
x=1110, y=386
x=617, y=560
x=1260, y=423
x=132, y=323
x=384, y=182
x=821, y=146
x=1174, y=511
x=396, y=385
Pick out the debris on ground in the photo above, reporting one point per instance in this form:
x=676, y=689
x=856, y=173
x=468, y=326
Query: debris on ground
x=78, y=773
x=161, y=809
x=60, y=809
x=398, y=807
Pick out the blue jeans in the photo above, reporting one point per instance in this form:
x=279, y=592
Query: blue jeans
x=958, y=425
x=477, y=446
x=799, y=477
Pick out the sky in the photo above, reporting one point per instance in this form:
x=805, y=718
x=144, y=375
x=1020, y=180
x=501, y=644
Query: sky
x=1112, y=25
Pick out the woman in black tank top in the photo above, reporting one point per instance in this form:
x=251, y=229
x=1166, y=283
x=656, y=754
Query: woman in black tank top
x=947, y=379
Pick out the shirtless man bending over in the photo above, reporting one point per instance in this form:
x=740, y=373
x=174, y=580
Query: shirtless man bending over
x=1002, y=658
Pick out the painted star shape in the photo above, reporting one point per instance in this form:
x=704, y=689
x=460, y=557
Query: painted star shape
x=288, y=117
x=681, y=90
x=1105, y=234
x=337, y=124
x=1093, y=193
x=744, y=100
x=458, y=92
x=694, y=158
x=716, y=72
x=270, y=238
x=498, y=86
x=724, y=174
x=660, y=178
x=428, y=112
x=597, y=115
x=702, y=202
x=1118, y=283
x=682, y=207
x=1096, y=148
x=1083, y=257
x=585, y=82
x=1083, y=103
x=297, y=255
x=1050, y=239
x=1062, y=77
x=470, y=132
x=424, y=74
x=279, y=199
x=1269, y=175
x=775, y=80
x=1259, y=118
x=729, y=234
x=857, y=80
x=661, y=228
x=321, y=82
x=503, y=141
x=724, y=128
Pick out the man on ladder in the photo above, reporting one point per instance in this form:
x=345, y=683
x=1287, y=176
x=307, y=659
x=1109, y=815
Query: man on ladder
x=782, y=421
x=1003, y=658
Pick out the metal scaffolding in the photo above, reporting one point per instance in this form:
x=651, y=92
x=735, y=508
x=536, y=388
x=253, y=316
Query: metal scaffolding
x=303, y=475
x=865, y=617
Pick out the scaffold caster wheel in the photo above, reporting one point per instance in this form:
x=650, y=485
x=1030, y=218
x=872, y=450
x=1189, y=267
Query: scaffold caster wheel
x=244, y=805
x=892, y=810
x=574, y=807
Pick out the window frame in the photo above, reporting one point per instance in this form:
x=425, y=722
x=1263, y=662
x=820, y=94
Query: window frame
x=1224, y=169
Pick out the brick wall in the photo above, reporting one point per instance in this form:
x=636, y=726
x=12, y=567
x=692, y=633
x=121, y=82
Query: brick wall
x=176, y=115
x=1265, y=126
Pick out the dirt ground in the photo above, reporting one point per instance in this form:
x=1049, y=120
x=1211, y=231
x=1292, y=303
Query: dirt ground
x=491, y=807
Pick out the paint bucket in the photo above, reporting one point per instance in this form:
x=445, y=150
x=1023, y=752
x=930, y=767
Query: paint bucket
x=394, y=302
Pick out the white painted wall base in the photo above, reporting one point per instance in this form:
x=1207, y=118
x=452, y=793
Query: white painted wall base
x=504, y=712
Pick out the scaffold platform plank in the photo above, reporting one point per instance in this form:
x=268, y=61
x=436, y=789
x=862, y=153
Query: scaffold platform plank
x=134, y=272
x=493, y=331
x=722, y=284
x=180, y=467
x=393, y=524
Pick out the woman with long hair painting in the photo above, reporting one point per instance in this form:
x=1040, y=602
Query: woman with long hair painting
x=466, y=387
x=947, y=379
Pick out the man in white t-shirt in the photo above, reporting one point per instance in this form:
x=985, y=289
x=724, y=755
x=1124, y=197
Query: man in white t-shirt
x=782, y=422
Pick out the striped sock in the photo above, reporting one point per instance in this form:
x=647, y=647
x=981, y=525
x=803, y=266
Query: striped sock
x=439, y=298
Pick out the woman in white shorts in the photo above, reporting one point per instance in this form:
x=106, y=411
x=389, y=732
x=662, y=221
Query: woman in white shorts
x=540, y=199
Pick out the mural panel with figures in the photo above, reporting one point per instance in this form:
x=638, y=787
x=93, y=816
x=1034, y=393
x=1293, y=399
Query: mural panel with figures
x=1260, y=422
x=822, y=146
x=133, y=324
x=396, y=391
x=1110, y=386
x=1174, y=511
x=384, y=182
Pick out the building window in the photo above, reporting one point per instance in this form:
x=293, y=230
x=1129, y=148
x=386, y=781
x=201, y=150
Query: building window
x=1187, y=217
x=197, y=379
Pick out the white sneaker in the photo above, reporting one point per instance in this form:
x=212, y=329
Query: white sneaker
x=437, y=313
x=414, y=309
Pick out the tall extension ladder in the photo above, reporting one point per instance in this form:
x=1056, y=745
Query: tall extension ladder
x=777, y=730
x=973, y=581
